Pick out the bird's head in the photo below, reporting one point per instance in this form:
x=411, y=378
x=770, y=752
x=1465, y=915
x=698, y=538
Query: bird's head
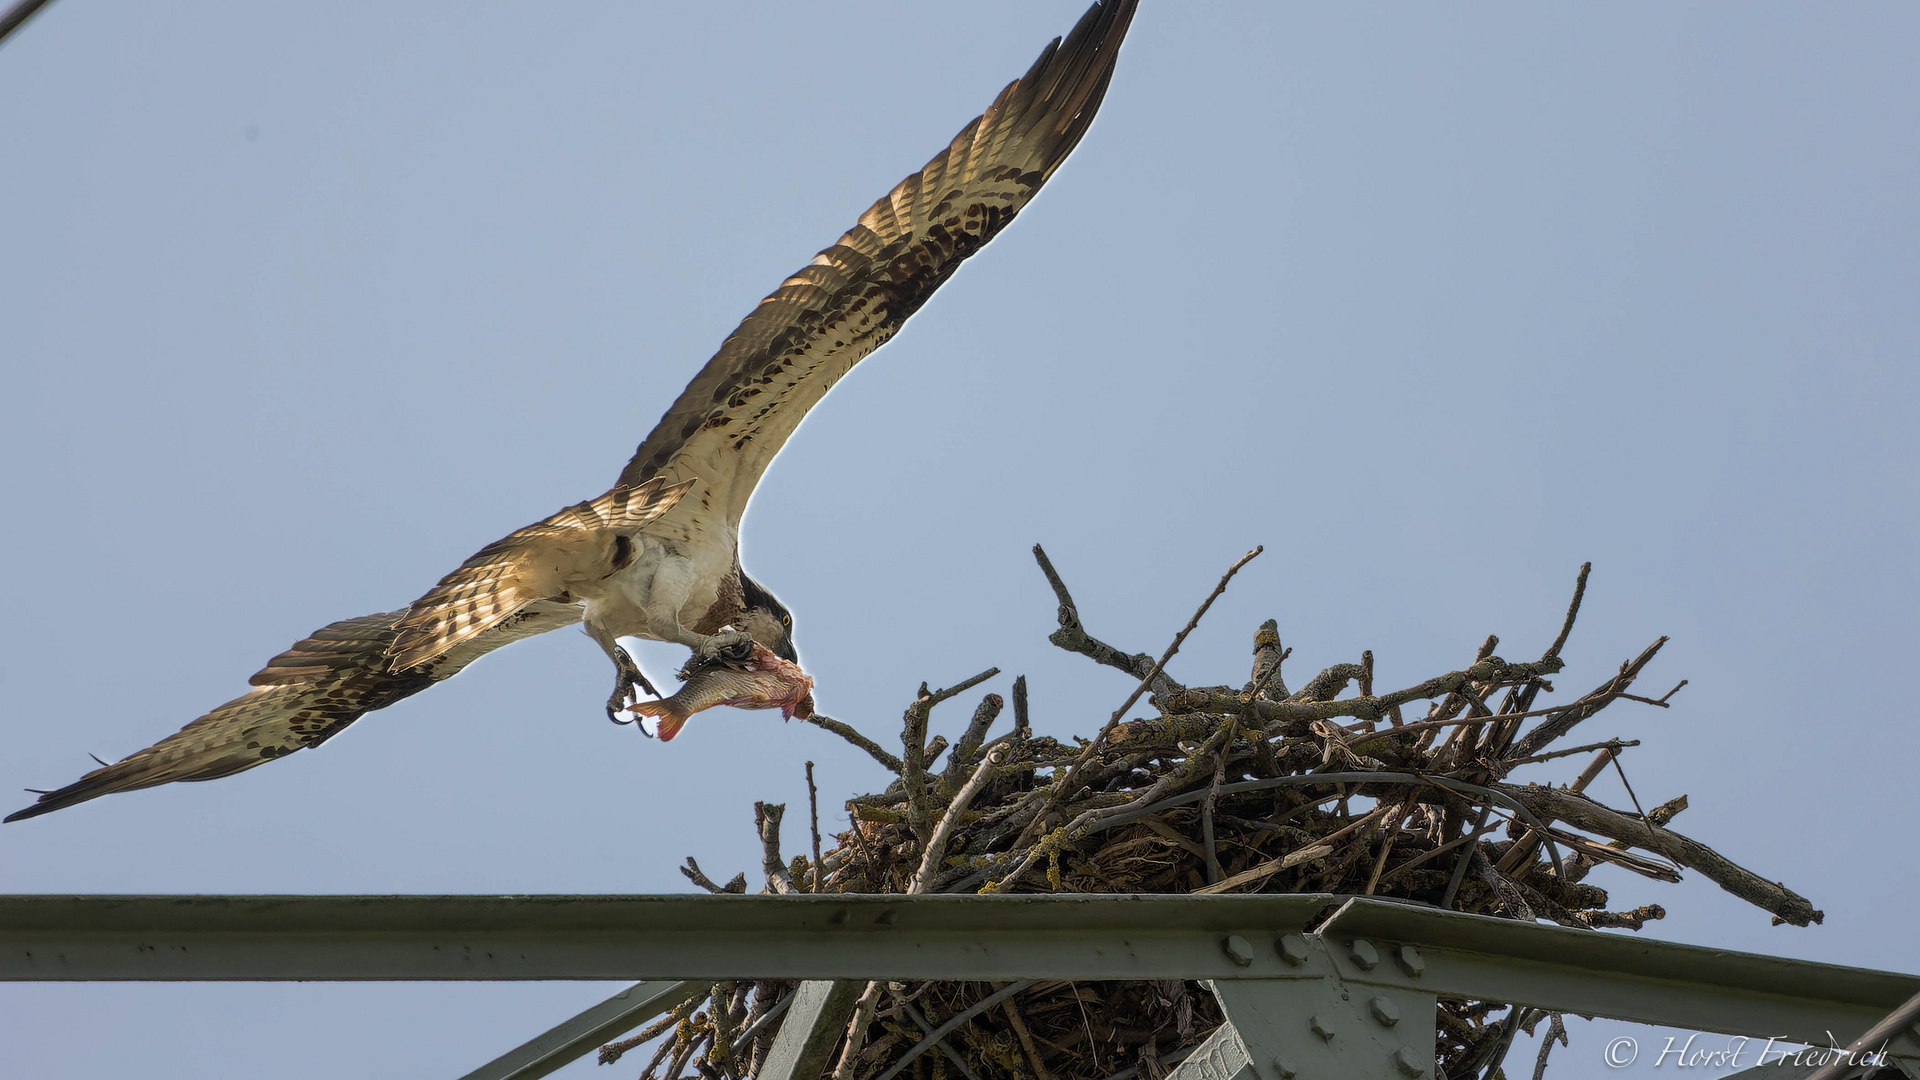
x=767, y=620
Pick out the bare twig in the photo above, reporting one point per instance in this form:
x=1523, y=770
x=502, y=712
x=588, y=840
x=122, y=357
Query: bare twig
x=857, y=1032
x=721, y=1017
x=1064, y=789
x=920, y=1021
x=692, y=873
x=965, y=751
x=1020, y=1031
x=1522, y=851
x=1213, y=796
x=915, y=756
x=1516, y=904
x=1556, y=1031
x=1584, y=813
x=1320, y=848
x=766, y=816
x=1490, y=671
x=1073, y=637
x=937, y=845
x=953, y=1023
x=612, y=1052
x=1428, y=856
x=1554, y=727
x=847, y=732
x=813, y=815
x=1611, y=745
x=1573, y=611
x=1268, y=655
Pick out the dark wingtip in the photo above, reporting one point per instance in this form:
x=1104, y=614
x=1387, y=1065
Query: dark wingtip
x=82, y=790
x=32, y=811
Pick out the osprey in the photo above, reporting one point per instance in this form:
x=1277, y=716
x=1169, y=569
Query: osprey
x=658, y=556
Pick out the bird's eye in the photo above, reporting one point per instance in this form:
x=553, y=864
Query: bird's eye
x=786, y=621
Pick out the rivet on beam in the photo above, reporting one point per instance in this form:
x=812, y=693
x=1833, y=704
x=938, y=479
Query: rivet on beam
x=1364, y=954
x=1410, y=960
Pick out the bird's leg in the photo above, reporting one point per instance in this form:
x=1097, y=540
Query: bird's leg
x=627, y=675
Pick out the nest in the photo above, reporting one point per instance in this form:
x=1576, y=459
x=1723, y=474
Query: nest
x=1255, y=788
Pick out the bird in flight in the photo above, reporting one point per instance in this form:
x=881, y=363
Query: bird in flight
x=658, y=556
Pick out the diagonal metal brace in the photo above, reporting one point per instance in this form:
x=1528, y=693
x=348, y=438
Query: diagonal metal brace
x=551, y=1051
x=811, y=1030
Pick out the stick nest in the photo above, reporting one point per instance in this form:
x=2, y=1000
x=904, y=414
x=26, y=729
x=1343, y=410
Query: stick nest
x=1256, y=788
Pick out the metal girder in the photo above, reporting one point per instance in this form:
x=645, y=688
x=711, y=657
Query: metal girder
x=703, y=938
x=561, y=1045
x=1268, y=957
x=811, y=1030
x=1619, y=976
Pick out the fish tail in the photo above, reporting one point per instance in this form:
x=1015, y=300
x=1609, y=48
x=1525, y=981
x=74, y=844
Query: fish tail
x=668, y=722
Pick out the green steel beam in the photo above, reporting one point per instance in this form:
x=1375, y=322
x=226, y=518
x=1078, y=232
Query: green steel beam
x=703, y=938
x=1365, y=943
x=552, y=1051
x=1622, y=976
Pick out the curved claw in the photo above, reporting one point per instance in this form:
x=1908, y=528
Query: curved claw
x=627, y=675
x=731, y=645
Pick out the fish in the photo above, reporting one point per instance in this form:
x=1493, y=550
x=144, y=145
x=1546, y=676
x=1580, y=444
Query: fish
x=760, y=681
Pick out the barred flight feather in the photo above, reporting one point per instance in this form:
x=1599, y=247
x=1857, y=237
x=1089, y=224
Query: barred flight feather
x=852, y=297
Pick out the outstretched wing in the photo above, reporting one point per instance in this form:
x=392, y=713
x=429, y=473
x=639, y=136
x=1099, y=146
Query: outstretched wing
x=738, y=412
x=302, y=698
x=535, y=563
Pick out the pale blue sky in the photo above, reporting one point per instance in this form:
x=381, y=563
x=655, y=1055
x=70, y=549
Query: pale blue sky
x=303, y=304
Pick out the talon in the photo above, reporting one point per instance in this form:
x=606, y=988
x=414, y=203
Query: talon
x=627, y=675
x=732, y=645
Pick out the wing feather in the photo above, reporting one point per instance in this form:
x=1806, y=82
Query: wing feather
x=739, y=411
x=528, y=565
x=301, y=698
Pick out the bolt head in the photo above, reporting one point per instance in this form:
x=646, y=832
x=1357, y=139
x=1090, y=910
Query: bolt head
x=1284, y=1069
x=1292, y=948
x=1384, y=1010
x=1320, y=1026
x=1364, y=954
x=1410, y=960
x=1408, y=1063
x=1238, y=950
